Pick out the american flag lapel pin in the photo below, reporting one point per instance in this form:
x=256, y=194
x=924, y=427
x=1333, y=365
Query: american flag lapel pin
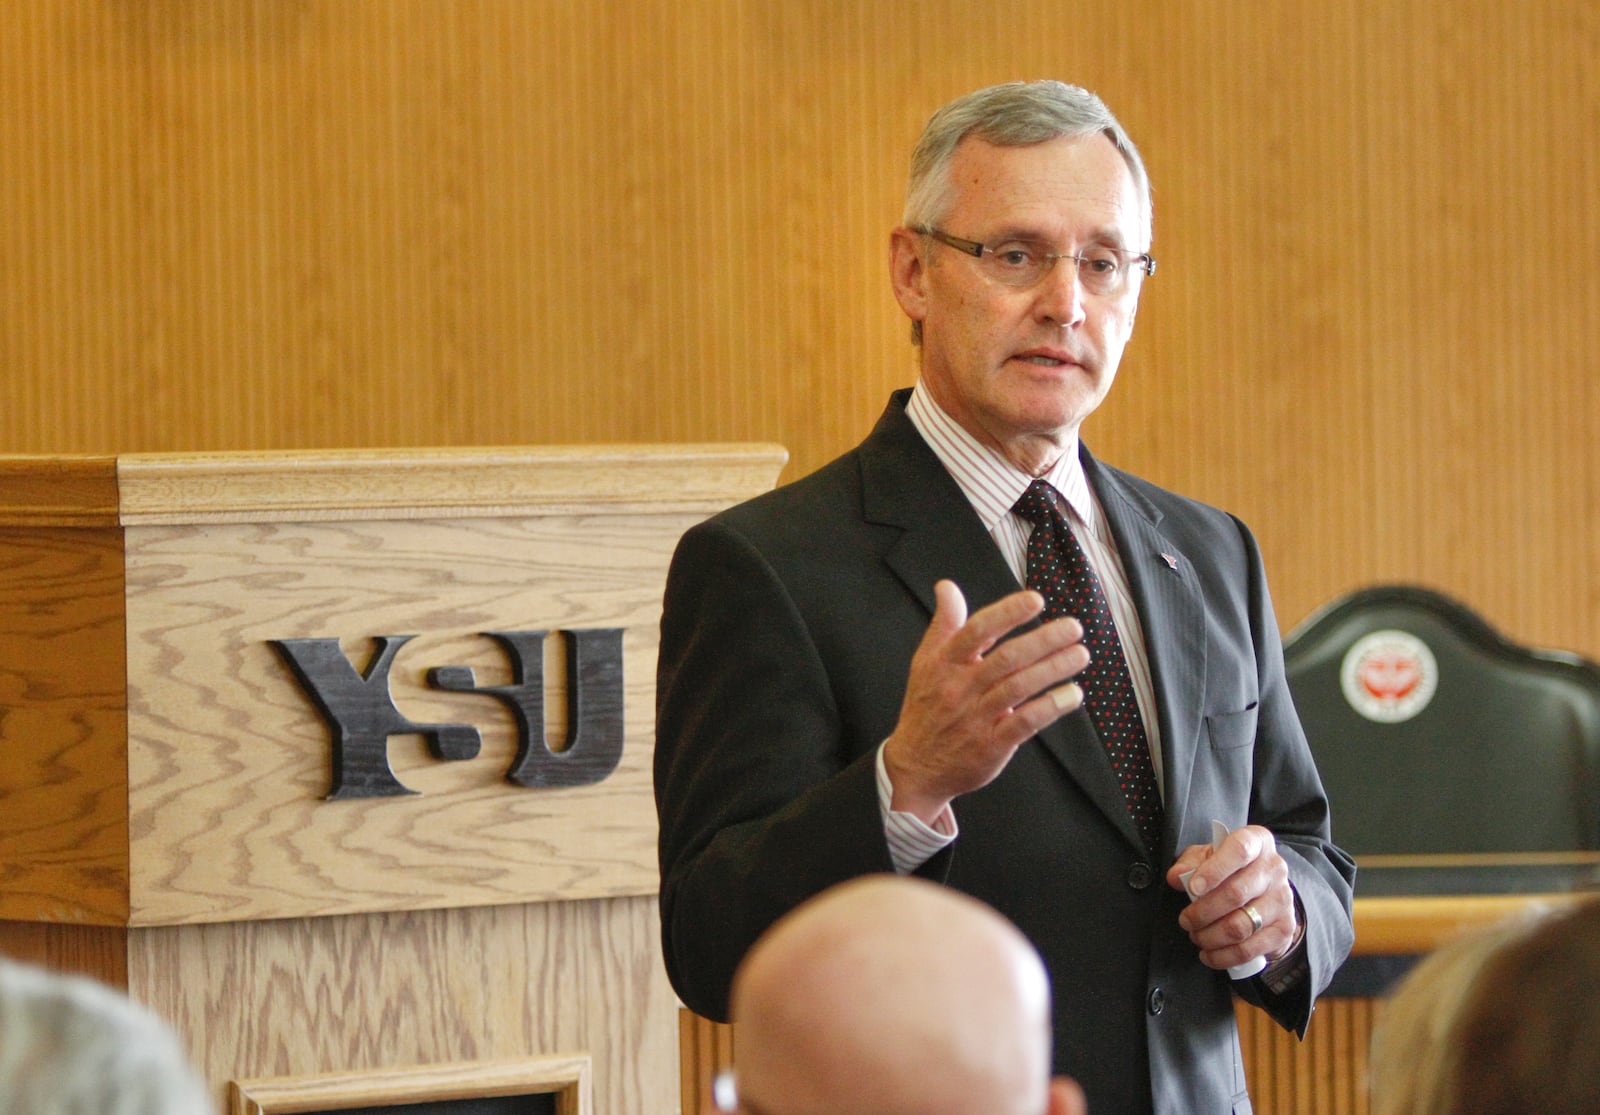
x=1171, y=560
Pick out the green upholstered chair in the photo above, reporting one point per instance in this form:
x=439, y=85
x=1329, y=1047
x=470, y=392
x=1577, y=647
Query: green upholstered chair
x=1436, y=736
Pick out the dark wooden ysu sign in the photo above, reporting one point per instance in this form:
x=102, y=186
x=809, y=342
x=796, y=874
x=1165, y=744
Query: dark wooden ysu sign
x=362, y=716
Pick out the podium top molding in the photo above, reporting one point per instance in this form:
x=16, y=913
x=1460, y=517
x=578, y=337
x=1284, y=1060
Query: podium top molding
x=282, y=486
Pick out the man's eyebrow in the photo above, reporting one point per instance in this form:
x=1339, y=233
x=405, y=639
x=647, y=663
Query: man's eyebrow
x=1109, y=238
x=1018, y=232
x=1104, y=237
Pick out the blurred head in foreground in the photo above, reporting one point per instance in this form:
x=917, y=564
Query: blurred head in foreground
x=1501, y=1021
x=894, y=996
x=71, y=1046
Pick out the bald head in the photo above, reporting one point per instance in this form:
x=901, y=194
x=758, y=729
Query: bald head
x=893, y=996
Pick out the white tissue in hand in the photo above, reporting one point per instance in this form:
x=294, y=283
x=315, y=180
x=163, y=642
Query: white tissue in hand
x=1219, y=833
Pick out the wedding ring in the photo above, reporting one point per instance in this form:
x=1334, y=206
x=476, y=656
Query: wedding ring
x=1255, y=919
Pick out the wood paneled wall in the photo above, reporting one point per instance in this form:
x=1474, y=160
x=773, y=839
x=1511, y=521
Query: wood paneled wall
x=255, y=224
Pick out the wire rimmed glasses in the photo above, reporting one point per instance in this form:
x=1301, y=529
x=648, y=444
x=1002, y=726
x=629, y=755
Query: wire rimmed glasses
x=1103, y=270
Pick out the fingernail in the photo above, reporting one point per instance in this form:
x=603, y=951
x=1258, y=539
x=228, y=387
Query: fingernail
x=1067, y=696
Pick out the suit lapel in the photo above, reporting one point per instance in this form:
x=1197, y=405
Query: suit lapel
x=904, y=485
x=1171, y=609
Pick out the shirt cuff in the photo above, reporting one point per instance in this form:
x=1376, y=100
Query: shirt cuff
x=912, y=842
x=1286, y=973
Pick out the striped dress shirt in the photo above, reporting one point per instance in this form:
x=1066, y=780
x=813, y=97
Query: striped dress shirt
x=993, y=485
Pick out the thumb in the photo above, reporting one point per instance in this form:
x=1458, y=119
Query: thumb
x=1188, y=860
x=950, y=608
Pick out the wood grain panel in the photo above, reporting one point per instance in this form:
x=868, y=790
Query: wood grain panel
x=1324, y=1075
x=314, y=953
x=707, y=1050
x=98, y=951
x=373, y=992
x=229, y=760
x=63, y=726
x=258, y=225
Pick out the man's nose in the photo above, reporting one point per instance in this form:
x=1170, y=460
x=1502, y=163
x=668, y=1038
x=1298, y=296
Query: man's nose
x=1060, y=294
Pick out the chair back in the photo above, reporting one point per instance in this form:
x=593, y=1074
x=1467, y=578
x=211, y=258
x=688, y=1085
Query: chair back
x=1435, y=735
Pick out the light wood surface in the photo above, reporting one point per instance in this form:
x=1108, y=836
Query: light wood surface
x=1575, y=859
x=167, y=827
x=363, y=995
x=1326, y=1074
x=166, y=489
x=1412, y=926
x=566, y=1078
x=229, y=761
x=164, y=764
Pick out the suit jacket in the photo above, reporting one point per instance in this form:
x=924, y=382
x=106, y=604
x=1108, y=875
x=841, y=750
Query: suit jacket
x=788, y=627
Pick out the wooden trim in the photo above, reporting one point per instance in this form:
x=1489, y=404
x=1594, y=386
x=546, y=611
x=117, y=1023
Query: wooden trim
x=1409, y=926
x=58, y=491
x=707, y=1049
x=97, y=951
x=570, y=1078
x=440, y=483
x=155, y=489
x=1482, y=859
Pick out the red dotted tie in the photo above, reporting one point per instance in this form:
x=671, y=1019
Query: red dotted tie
x=1058, y=570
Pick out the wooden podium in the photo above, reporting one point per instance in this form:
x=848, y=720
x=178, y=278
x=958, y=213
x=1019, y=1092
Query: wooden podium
x=341, y=762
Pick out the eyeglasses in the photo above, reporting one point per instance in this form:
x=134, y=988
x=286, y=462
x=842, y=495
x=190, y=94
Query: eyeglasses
x=1023, y=263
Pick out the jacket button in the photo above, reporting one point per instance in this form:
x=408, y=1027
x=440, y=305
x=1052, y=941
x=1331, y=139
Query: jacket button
x=1139, y=876
x=1157, y=1002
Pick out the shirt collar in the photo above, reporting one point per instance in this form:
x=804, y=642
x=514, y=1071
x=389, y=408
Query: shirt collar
x=991, y=482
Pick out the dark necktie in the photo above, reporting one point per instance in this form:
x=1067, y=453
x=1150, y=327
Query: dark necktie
x=1059, y=571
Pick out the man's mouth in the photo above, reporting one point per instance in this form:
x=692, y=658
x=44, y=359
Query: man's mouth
x=1045, y=357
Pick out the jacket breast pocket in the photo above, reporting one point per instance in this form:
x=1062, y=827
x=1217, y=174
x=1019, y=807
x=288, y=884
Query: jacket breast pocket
x=1229, y=731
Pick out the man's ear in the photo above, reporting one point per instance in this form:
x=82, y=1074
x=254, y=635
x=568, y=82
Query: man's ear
x=908, y=272
x=1066, y=1098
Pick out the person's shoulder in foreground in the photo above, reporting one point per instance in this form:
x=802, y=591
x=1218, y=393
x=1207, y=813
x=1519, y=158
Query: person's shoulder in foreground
x=1499, y=1022
x=890, y=995
x=72, y=1046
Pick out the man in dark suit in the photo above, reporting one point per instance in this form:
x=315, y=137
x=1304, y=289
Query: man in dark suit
x=853, y=680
